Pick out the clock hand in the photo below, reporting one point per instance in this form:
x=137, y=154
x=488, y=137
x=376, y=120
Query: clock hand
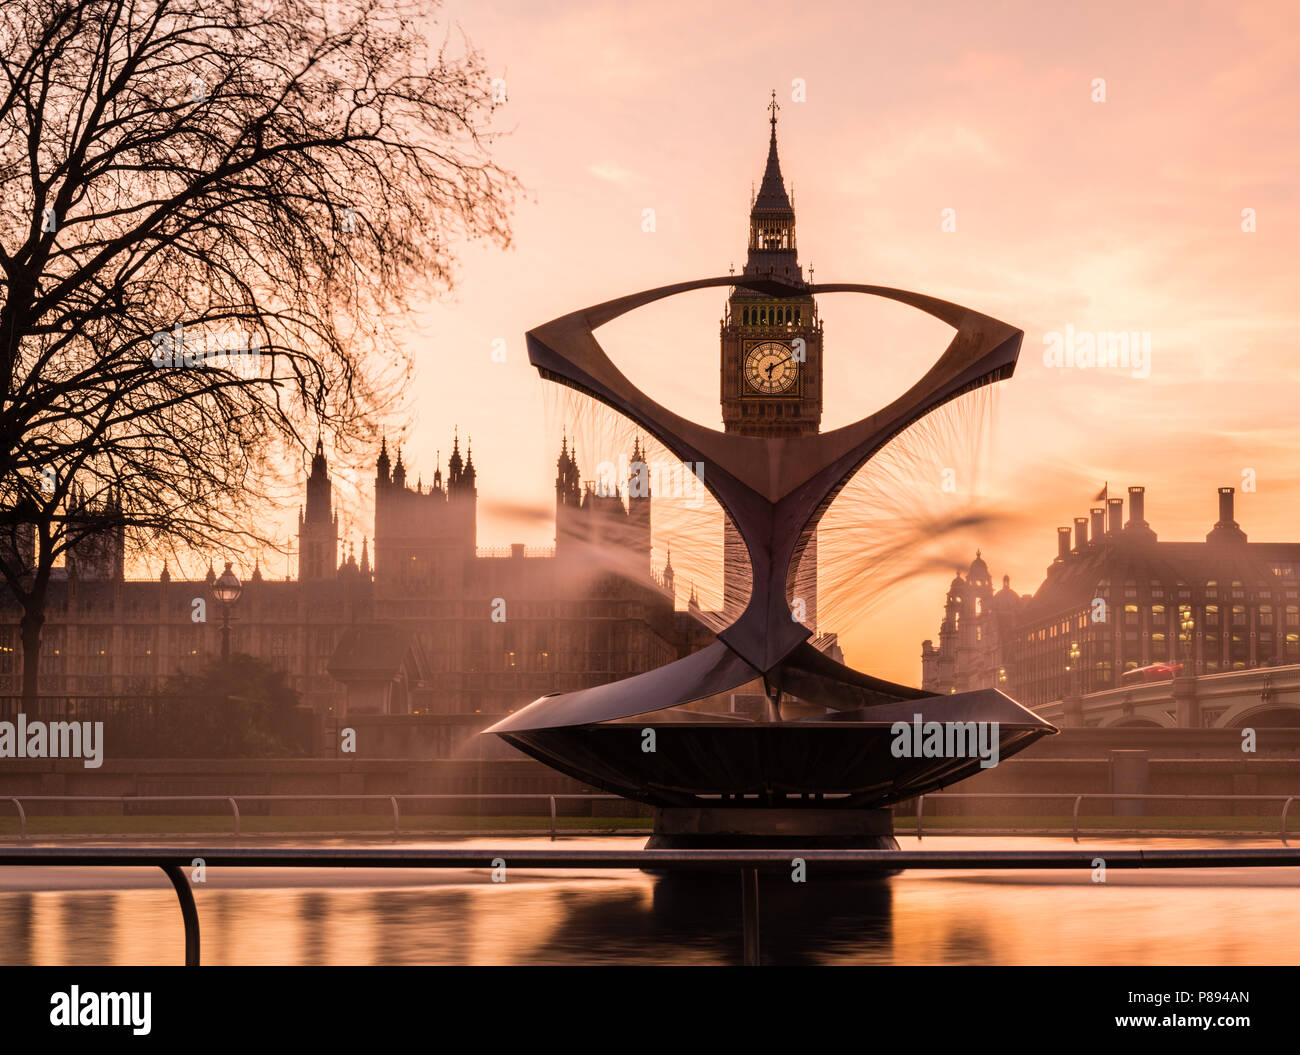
x=773, y=366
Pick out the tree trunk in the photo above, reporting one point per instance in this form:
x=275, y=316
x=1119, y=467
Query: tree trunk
x=32, y=622
x=33, y=601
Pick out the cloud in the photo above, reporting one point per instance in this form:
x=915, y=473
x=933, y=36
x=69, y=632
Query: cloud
x=611, y=173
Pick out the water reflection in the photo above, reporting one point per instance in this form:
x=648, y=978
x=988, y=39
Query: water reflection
x=799, y=923
x=342, y=917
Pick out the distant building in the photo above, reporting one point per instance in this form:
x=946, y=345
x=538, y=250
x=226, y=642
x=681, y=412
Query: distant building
x=1116, y=599
x=473, y=630
x=975, y=636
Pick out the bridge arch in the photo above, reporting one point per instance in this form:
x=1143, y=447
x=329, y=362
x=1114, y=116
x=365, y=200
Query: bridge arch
x=1137, y=721
x=1271, y=715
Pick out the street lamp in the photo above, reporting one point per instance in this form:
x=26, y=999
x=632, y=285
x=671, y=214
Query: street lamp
x=1188, y=624
x=226, y=589
x=1072, y=667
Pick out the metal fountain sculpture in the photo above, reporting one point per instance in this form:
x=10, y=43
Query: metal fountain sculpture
x=718, y=779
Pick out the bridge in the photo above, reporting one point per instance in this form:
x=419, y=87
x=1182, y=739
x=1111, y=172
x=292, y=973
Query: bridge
x=1268, y=697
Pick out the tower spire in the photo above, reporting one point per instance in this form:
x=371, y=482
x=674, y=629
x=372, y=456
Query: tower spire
x=772, y=197
x=771, y=216
x=455, y=464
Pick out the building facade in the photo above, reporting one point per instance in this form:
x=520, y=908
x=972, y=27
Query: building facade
x=493, y=629
x=1116, y=599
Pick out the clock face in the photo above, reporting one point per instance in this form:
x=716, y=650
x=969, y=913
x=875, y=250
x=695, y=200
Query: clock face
x=770, y=368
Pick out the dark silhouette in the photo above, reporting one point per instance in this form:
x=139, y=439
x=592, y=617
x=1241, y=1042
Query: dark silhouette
x=235, y=708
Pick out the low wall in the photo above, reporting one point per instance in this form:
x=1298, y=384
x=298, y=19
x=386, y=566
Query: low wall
x=1166, y=743
x=291, y=777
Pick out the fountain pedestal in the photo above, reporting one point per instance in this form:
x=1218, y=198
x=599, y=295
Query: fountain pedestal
x=757, y=828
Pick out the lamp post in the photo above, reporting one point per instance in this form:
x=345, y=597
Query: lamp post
x=1188, y=624
x=1073, y=668
x=226, y=589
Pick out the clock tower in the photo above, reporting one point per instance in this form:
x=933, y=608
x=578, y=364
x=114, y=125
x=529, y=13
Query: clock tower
x=771, y=366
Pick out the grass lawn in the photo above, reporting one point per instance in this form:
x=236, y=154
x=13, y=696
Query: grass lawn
x=1244, y=825
x=189, y=824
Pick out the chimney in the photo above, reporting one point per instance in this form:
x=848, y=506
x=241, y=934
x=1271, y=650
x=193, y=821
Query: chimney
x=1062, y=543
x=1098, y=524
x=1116, y=515
x=1227, y=529
x=1080, y=534
x=1225, y=506
x=1137, y=507
x=1137, y=525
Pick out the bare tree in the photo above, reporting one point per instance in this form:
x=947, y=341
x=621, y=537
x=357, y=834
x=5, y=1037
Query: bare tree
x=211, y=207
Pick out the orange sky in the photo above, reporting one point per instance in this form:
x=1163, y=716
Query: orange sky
x=1104, y=216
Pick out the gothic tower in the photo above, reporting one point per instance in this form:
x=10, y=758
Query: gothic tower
x=98, y=547
x=423, y=535
x=318, y=526
x=771, y=371
x=638, y=501
x=568, y=496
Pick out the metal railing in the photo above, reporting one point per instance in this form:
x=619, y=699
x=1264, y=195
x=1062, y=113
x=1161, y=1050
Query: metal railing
x=747, y=862
x=395, y=800
x=1286, y=801
x=234, y=800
